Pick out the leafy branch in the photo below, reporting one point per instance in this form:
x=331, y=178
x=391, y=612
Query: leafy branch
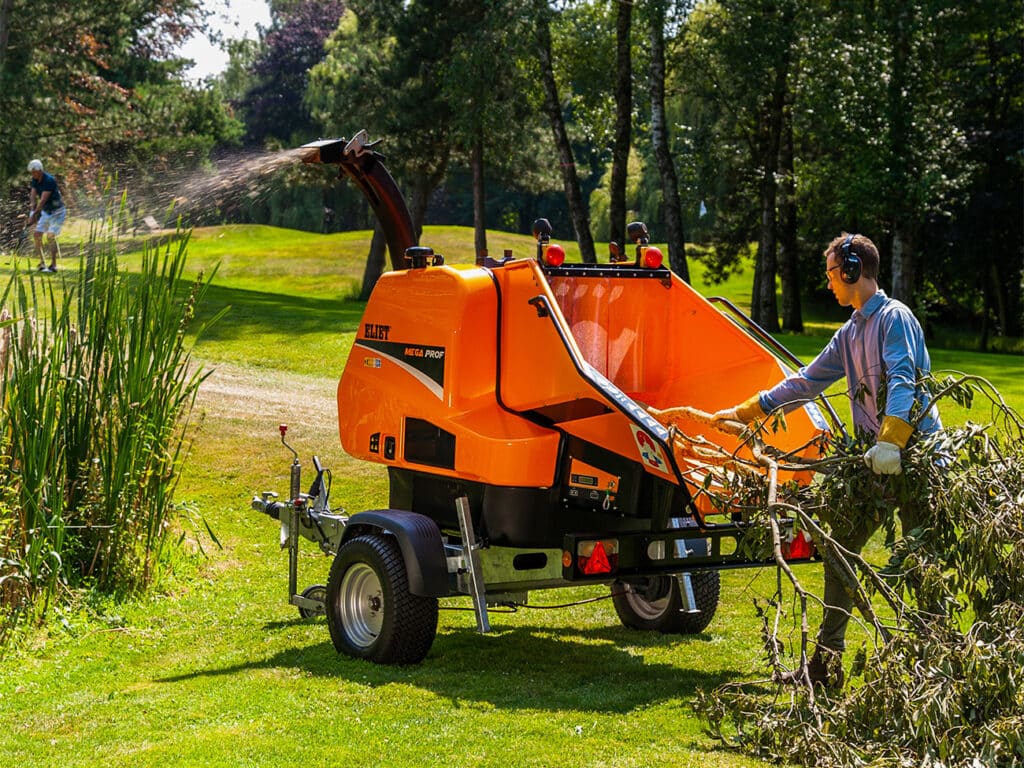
x=941, y=684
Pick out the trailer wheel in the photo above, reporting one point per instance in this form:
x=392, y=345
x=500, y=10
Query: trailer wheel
x=370, y=611
x=315, y=592
x=657, y=603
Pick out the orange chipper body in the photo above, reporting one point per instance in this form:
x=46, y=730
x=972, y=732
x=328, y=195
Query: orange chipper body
x=521, y=383
x=521, y=386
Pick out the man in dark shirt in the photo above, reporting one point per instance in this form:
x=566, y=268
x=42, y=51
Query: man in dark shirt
x=47, y=213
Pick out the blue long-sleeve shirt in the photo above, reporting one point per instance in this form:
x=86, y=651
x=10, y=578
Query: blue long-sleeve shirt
x=880, y=341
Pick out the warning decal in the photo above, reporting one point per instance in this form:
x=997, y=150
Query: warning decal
x=651, y=453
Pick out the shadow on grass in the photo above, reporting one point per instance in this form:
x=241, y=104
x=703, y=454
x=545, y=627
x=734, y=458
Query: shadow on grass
x=255, y=311
x=522, y=667
x=250, y=311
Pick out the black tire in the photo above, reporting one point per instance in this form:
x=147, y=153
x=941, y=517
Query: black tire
x=370, y=611
x=657, y=603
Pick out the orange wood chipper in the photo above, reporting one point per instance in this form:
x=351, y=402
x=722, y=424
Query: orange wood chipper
x=511, y=402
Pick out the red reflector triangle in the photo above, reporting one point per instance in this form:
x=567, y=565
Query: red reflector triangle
x=598, y=561
x=800, y=548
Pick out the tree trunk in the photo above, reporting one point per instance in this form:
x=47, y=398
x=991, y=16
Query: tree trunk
x=479, y=196
x=763, y=305
x=374, y=262
x=662, y=151
x=901, y=159
x=986, y=316
x=789, y=258
x=902, y=267
x=425, y=181
x=623, y=122
x=420, y=194
x=998, y=291
x=553, y=109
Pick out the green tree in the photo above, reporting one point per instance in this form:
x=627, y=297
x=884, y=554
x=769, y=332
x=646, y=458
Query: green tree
x=97, y=92
x=387, y=59
x=485, y=76
x=239, y=78
x=274, y=106
x=897, y=129
x=384, y=71
x=553, y=108
x=441, y=82
x=986, y=229
x=749, y=87
x=980, y=220
x=69, y=73
x=659, y=14
x=633, y=202
x=623, y=120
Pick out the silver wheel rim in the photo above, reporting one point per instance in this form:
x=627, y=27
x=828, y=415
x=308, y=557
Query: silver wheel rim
x=646, y=609
x=361, y=605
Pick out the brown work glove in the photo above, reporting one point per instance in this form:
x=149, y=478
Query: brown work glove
x=747, y=411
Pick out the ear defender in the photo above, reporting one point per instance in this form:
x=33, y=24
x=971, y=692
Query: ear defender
x=850, y=269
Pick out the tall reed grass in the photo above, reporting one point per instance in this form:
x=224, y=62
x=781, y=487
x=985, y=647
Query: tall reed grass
x=96, y=390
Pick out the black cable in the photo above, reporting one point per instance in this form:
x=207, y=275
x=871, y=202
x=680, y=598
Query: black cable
x=515, y=606
x=507, y=609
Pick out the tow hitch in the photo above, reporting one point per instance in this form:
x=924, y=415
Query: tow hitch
x=308, y=515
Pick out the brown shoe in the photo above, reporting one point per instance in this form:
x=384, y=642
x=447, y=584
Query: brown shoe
x=825, y=670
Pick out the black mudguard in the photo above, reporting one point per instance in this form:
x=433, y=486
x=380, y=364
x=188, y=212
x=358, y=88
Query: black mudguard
x=418, y=537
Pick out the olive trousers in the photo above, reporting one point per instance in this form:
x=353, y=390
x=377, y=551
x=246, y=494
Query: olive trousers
x=838, y=599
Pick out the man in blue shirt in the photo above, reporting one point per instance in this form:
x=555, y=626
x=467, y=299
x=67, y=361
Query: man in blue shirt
x=881, y=352
x=47, y=213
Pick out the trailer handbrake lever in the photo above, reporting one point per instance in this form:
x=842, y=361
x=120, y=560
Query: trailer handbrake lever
x=321, y=487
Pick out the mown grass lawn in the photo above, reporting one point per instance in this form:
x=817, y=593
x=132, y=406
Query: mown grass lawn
x=214, y=668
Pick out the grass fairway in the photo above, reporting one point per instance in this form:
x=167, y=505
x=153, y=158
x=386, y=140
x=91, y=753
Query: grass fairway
x=215, y=669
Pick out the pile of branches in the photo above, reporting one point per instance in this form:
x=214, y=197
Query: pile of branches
x=940, y=682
